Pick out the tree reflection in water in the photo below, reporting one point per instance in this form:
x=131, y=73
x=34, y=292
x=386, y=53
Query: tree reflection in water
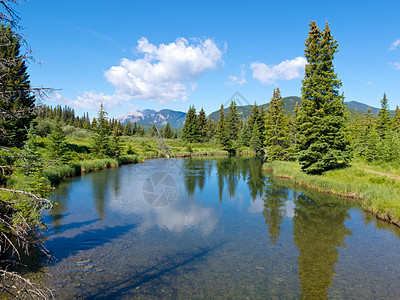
x=318, y=229
x=274, y=211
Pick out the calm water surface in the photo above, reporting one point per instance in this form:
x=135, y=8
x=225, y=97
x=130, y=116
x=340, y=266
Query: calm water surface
x=212, y=228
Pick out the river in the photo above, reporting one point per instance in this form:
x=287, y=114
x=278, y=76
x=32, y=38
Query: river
x=210, y=228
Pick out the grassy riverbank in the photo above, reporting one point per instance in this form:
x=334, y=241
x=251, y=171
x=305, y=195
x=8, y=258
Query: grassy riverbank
x=377, y=191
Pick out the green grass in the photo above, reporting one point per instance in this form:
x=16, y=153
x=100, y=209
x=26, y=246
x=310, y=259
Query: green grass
x=376, y=193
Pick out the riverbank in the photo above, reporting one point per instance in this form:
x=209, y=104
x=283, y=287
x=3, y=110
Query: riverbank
x=376, y=192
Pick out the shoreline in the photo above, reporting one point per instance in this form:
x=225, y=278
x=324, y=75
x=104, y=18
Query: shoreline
x=353, y=190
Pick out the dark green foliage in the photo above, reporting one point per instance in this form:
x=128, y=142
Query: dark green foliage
x=321, y=140
x=128, y=129
x=191, y=128
x=233, y=122
x=384, y=122
x=210, y=129
x=396, y=120
x=221, y=132
x=277, y=140
x=101, y=138
x=167, y=132
x=17, y=103
x=201, y=119
x=245, y=135
x=58, y=145
x=255, y=142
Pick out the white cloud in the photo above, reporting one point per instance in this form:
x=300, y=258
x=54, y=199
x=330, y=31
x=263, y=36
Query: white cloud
x=369, y=83
x=92, y=100
x=286, y=70
x=394, y=45
x=396, y=65
x=237, y=80
x=167, y=72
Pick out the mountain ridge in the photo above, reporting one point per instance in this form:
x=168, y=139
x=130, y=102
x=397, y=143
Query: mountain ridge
x=177, y=118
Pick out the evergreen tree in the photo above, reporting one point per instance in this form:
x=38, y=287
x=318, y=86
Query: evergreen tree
x=135, y=129
x=191, y=129
x=384, y=122
x=396, y=119
x=101, y=138
x=233, y=122
x=115, y=144
x=277, y=140
x=128, y=129
x=221, y=132
x=321, y=141
x=245, y=135
x=167, y=132
x=58, y=145
x=202, y=120
x=17, y=103
x=210, y=129
x=255, y=142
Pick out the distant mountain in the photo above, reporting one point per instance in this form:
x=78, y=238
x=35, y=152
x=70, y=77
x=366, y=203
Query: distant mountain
x=289, y=104
x=150, y=116
x=176, y=119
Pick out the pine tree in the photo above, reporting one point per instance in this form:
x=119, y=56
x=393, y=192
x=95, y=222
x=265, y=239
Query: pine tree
x=396, y=119
x=233, y=122
x=191, y=129
x=202, y=120
x=17, y=105
x=210, y=129
x=135, y=129
x=128, y=129
x=255, y=142
x=277, y=140
x=384, y=122
x=167, y=132
x=58, y=145
x=221, y=132
x=321, y=140
x=101, y=138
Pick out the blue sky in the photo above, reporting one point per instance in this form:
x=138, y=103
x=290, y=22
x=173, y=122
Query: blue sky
x=172, y=54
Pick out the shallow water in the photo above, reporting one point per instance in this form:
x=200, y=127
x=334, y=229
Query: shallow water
x=212, y=228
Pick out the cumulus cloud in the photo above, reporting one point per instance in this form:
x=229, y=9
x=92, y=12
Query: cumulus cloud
x=394, y=45
x=286, y=70
x=396, y=65
x=167, y=72
x=233, y=80
x=92, y=100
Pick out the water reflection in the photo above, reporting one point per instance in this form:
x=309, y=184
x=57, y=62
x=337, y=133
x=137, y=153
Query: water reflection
x=275, y=240
x=274, y=211
x=318, y=231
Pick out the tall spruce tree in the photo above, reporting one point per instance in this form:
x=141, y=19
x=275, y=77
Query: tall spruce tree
x=384, y=122
x=202, y=120
x=58, y=145
x=233, y=122
x=101, y=138
x=221, y=132
x=17, y=105
x=277, y=140
x=191, y=128
x=128, y=129
x=167, y=132
x=210, y=128
x=321, y=140
x=396, y=119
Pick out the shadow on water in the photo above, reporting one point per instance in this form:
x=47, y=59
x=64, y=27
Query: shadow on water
x=72, y=225
x=155, y=273
x=85, y=241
